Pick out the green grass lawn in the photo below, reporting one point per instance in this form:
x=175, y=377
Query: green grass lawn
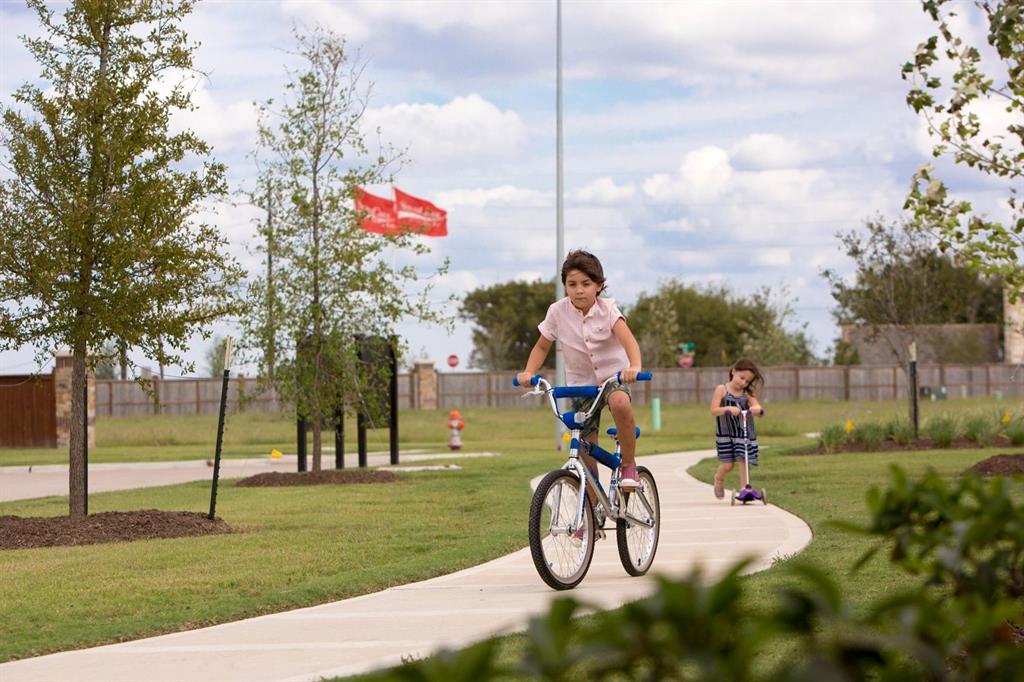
x=308, y=545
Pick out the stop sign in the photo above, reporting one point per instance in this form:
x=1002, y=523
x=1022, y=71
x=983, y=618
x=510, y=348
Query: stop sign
x=453, y=360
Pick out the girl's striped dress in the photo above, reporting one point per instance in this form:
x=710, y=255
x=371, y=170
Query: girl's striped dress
x=729, y=434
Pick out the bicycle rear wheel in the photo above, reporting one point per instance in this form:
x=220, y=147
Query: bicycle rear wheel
x=561, y=558
x=638, y=534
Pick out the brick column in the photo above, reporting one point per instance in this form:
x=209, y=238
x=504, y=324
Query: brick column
x=62, y=391
x=1013, y=330
x=426, y=382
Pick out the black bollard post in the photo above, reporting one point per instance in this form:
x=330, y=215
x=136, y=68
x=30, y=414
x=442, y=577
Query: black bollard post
x=914, y=412
x=85, y=449
x=220, y=429
x=361, y=438
x=393, y=426
x=300, y=446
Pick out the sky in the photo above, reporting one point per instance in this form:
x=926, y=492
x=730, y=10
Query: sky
x=709, y=142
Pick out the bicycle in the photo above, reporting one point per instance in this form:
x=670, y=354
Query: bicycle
x=564, y=525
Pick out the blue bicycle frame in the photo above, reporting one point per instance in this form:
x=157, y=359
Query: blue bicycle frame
x=575, y=421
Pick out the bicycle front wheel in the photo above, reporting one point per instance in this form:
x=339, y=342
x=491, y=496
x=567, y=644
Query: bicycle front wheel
x=638, y=533
x=561, y=548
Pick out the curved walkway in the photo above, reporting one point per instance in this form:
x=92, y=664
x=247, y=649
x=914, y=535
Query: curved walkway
x=379, y=630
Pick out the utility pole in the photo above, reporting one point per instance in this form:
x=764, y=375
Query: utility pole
x=559, y=206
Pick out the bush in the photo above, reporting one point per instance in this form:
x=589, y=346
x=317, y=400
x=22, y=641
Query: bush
x=980, y=429
x=831, y=437
x=1015, y=432
x=965, y=541
x=899, y=431
x=942, y=429
x=869, y=434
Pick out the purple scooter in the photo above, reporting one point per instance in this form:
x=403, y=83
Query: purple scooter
x=749, y=493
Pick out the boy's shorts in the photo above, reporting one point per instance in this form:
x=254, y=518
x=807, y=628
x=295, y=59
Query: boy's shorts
x=583, y=404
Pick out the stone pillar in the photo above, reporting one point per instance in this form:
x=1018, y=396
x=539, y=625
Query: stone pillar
x=426, y=384
x=62, y=391
x=1013, y=330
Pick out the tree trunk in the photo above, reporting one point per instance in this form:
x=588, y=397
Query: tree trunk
x=76, y=449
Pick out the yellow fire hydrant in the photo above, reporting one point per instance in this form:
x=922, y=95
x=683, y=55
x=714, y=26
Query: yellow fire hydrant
x=455, y=427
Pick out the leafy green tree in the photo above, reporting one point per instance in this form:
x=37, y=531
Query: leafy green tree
x=215, y=357
x=721, y=324
x=330, y=280
x=505, y=318
x=769, y=336
x=903, y=280
x=106, y=365
x=97, y=236
x=975, y=116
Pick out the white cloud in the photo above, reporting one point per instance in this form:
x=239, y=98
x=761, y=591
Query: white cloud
x=769, y=150
x=505, y=195
x=465, y=129
x=703, y=176
x=772, y=257
x=603, y=191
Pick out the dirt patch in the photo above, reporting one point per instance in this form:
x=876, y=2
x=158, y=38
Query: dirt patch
x=327, y=476
x=146, y=524
x=890, y=446
x=999, y=465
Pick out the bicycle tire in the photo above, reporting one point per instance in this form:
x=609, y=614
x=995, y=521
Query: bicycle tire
x=561, y=561
x=637, y=544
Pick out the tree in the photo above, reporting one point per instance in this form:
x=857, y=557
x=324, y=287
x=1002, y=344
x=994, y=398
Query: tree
x=721, y=324
x=505, y=318
x=215, y=357
x=97, y=239
x=329, y=281
x=903, y=280
x=976, y=118
x=767, y=336
x=105, y=367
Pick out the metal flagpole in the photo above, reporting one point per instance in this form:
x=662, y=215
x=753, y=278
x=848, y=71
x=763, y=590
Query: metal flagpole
x=559, y=207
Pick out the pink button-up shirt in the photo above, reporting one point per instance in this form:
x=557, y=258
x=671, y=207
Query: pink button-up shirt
x=589, y=348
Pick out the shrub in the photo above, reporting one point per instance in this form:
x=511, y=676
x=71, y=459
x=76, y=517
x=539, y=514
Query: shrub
x=869, y=434
x=980, y=429
x=831, y=437
x=899, y=431
x=942, y=429
x=1015, y=431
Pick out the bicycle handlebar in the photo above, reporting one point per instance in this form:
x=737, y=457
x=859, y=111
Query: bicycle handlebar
x=542, y=386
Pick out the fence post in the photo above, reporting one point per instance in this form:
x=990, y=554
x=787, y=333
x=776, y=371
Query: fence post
x=796, y=381
x=697, y=391
x=198, y=403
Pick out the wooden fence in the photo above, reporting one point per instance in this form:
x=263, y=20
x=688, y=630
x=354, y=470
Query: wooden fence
x=672, y=386
x=695, y=385
x=28, y=416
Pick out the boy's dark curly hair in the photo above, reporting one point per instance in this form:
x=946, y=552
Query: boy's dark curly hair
x=585, y=262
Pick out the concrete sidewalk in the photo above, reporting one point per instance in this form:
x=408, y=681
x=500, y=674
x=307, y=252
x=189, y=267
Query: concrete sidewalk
x=378, y=630
x=24, y=482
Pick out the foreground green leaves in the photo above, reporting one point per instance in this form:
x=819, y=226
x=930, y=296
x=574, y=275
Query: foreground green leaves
x=962, y=622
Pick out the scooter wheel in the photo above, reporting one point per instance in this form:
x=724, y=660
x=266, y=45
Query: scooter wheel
x=764, y=496
x=732, y=499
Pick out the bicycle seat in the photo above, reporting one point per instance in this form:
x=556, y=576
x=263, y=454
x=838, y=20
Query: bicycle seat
x=612, y=431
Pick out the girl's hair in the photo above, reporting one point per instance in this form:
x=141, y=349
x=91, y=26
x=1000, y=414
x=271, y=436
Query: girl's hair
x=586, y=263
x=747, y=364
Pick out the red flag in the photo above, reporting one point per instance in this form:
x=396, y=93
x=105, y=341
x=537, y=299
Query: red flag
x=381, y=216
x=419, y=215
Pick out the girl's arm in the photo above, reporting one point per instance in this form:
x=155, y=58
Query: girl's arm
x=755, y=406
x=535, y=361
x=632, y=348
x=717, y=408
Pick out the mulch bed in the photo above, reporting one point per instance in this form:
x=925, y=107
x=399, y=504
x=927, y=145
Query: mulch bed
x=146, y=524
x=890, y=446
x=999, y=465
x=325, y=476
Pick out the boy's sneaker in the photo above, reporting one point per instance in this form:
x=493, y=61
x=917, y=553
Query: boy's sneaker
x=578, y=536
x=629, y=480
x=719, y=489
